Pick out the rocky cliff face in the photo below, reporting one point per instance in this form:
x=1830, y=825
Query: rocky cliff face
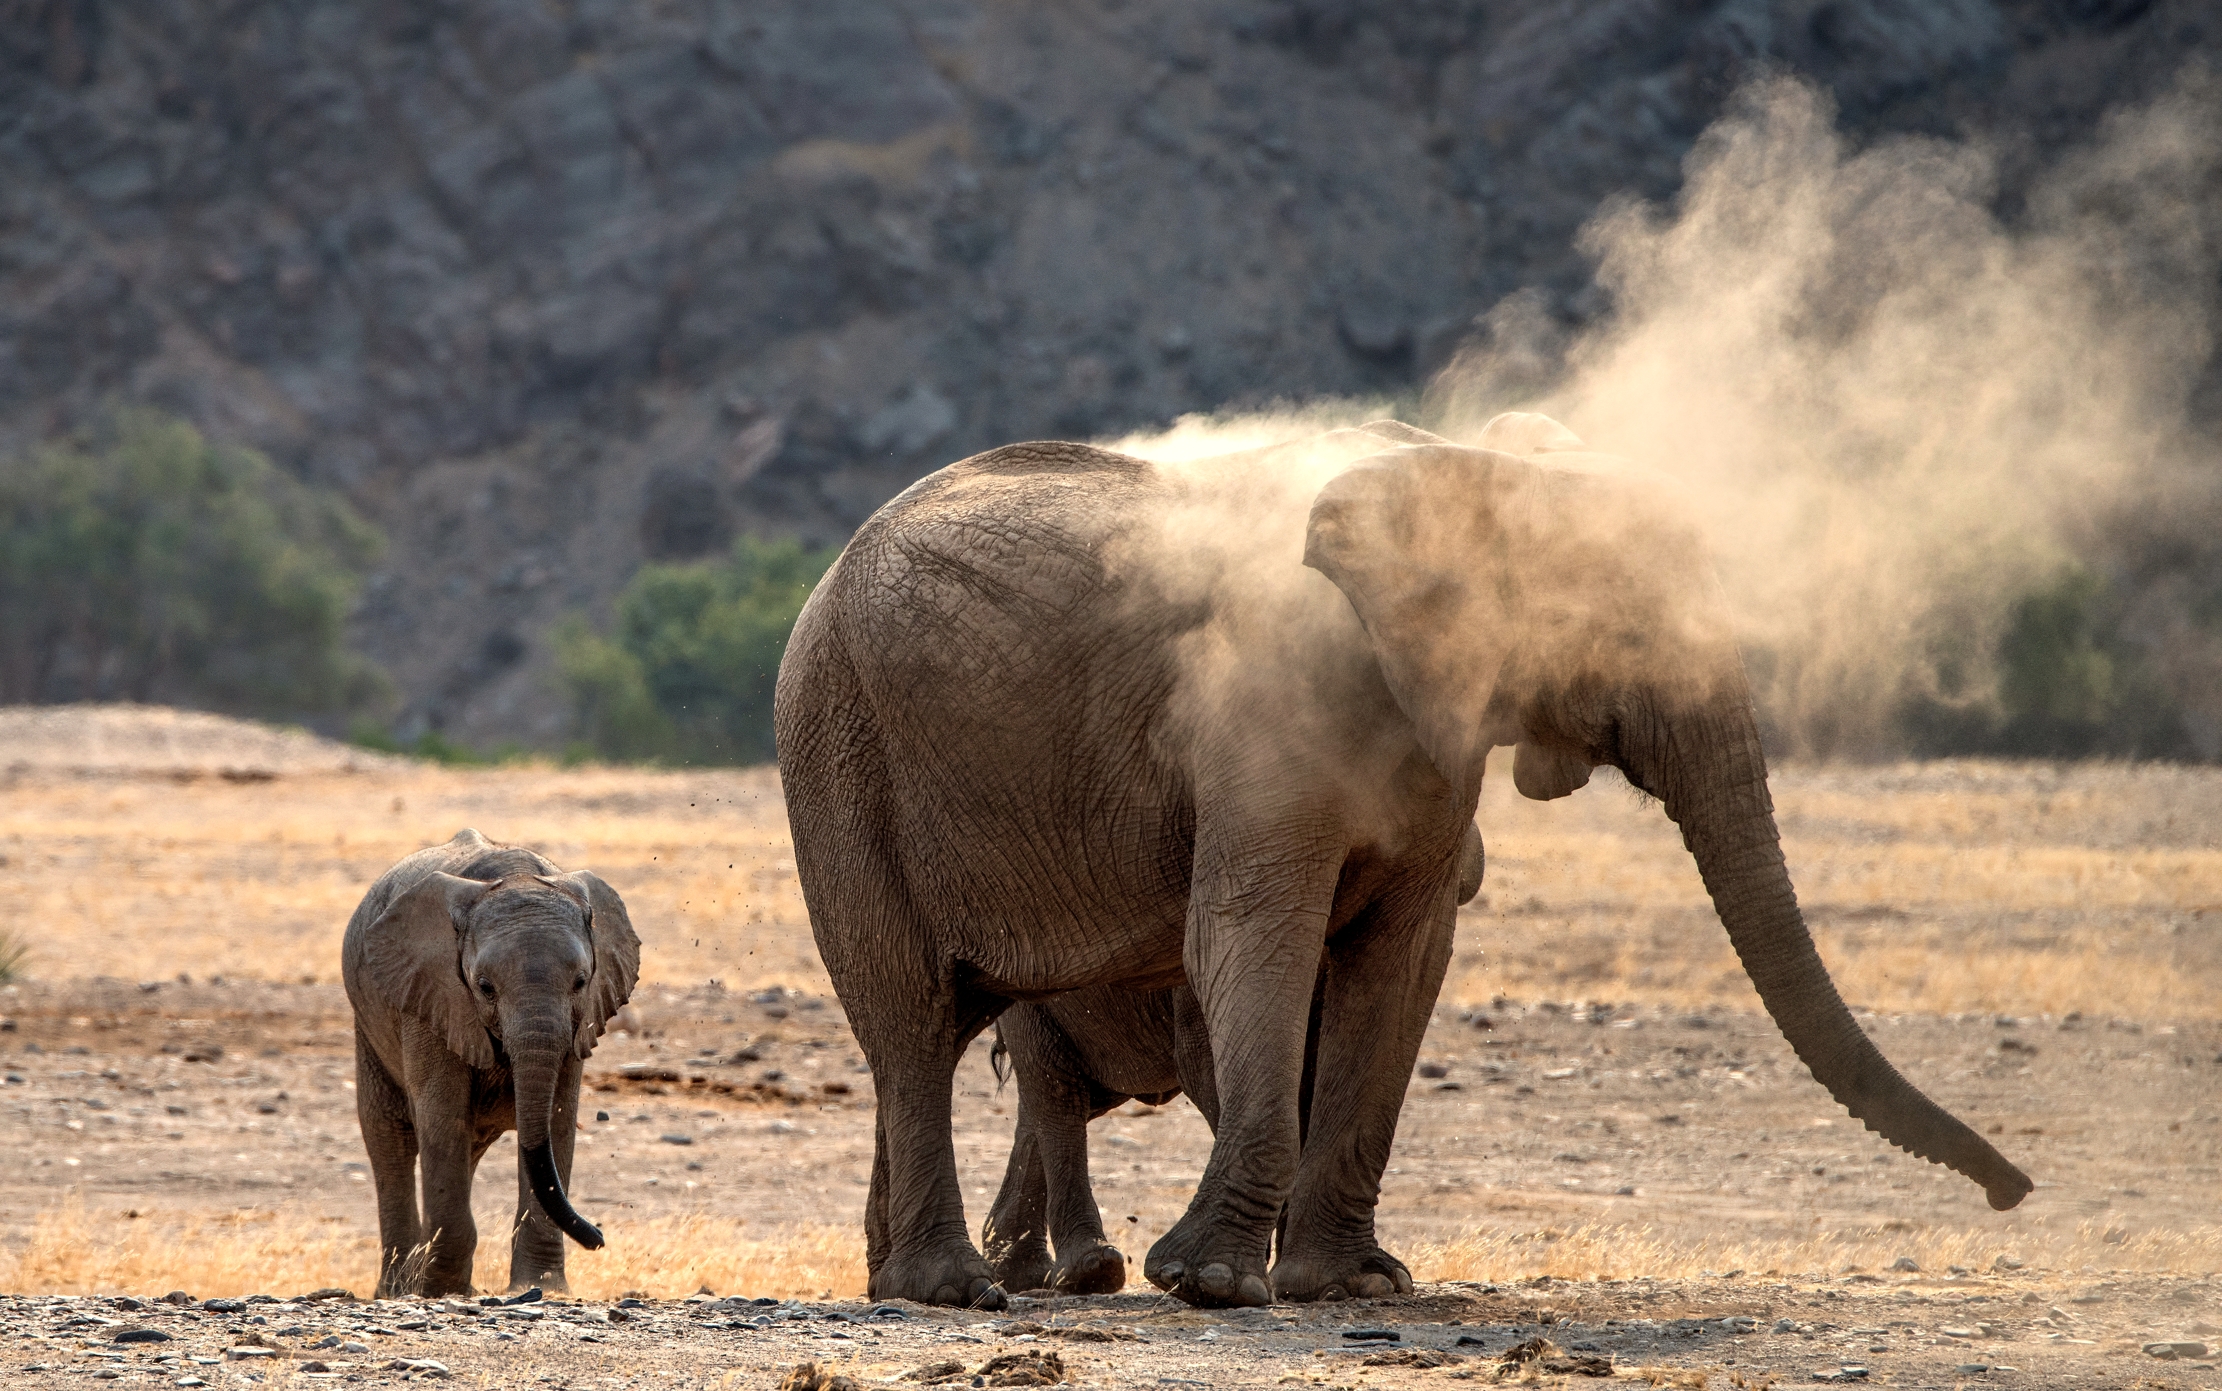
x=553, y=286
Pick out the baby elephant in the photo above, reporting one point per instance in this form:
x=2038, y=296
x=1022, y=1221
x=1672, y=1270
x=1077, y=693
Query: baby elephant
x=480, y=976
x=1076, y=1057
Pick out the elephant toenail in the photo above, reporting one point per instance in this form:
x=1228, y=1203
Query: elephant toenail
x=1333, y=1294
x=1168, y=1275
x=1216, y=1279
x=947, y=1294
x=1374, y=1286
x=1252, y=1293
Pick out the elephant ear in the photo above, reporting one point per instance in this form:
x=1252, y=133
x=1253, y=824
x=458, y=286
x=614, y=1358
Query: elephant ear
x=1416, y=540
x=616, y=953
x=413, y=957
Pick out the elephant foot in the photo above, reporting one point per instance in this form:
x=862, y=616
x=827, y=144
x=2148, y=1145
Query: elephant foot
x=1189, y=1265
x=546, y=1283
x=1097, y=1268
x=955, y=1277
x=1377, y=1275
x=1021, y=1265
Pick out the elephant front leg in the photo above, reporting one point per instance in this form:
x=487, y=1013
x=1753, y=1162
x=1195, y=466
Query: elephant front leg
x=1378, y=989
x=447, y=1157
x=390, y=1139
x=536, y=1247
x=1255, y=931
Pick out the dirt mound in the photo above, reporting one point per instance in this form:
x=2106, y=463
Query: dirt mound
x=157, y=739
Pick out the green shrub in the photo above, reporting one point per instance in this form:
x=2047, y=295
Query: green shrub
x=143, y=562
x=2066, y=684
x=687, y=676
x=432, y=746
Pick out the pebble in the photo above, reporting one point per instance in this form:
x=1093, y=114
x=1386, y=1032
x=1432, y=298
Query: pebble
x=2170, y=1349
x=142, y=1335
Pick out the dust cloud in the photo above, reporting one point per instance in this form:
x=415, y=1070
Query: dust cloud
x=1894, y=409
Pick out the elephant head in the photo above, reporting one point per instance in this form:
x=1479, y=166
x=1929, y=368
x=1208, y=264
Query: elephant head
x=1564, y=604
x=527, y=968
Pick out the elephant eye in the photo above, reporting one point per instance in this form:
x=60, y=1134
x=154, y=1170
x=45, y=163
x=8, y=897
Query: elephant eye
x=486, y=987
x=580, y=983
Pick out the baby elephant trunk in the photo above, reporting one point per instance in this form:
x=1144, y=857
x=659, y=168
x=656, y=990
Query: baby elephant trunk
x=534, y=1069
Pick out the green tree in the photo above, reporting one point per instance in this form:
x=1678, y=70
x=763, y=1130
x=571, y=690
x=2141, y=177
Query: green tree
x=687, y=675
x=144, y=562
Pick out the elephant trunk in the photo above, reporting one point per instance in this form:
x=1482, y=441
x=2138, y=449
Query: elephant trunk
x=534, y=1065
x=1713, y=779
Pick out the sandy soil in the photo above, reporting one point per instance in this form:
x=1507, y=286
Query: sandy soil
x=155, y=740
x=1620, y=1164
x=1634, y=1139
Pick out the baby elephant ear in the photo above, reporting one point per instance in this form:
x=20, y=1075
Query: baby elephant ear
x=413, y=957
x=616, y=953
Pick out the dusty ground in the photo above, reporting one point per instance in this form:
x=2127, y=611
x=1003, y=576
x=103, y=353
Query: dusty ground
x=1611, y=1114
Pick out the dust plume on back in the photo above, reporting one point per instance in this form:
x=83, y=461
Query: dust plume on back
x=1894, y=411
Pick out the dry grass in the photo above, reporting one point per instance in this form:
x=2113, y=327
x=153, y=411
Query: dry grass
x=71, y=1250
x=147, y=878
x=1621, y=1252
x=1940, y=888
x=1947, y=888
x=75, y=1251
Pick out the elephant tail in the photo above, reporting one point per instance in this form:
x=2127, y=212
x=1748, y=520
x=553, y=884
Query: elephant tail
x=999, y=1058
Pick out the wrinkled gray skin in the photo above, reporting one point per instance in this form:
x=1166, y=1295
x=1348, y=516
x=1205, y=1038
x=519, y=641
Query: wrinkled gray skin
x=481, y=976
x=1075, y=1058
x=1038, y=735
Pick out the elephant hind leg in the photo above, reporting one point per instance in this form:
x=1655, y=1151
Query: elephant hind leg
x=1015, y=1236
x=913, y=1029
x=902, y=994
x=1056, y=1099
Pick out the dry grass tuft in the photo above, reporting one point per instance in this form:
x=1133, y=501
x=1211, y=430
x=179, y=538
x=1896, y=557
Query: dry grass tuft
x=1938, y=888
x=1621, y=1252
x=73, y=1251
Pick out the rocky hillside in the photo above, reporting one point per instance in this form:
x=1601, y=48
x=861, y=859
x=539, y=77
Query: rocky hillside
x=552, y=286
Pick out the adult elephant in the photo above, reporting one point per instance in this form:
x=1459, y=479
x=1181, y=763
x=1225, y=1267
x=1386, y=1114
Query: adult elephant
x=1059, y=717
